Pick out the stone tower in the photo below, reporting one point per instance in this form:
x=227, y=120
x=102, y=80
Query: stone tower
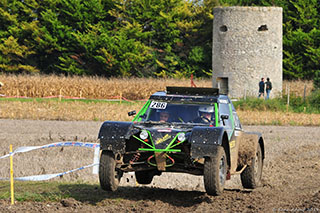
x=247, y=46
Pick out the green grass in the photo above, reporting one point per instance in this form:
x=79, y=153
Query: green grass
x=33, y=191
x=51, y=191
x=55, y=191
x=297, y=104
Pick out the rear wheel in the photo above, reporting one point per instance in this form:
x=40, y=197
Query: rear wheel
x=215, y=172
x=144, y=177
x=251, y=176
x=109, y=176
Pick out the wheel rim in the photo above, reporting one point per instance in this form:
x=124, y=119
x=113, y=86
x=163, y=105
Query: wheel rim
x=222, y=170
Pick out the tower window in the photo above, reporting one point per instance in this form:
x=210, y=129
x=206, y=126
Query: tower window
x=223, y=85
x=263, y=28
x=223, y=28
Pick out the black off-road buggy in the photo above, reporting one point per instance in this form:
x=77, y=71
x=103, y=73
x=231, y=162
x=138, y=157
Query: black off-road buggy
x=202, y=136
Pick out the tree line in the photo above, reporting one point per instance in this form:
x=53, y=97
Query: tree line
x=143, y=38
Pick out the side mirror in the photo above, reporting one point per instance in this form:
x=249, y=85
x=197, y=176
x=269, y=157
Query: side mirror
x=131, y=113
x=224, y=117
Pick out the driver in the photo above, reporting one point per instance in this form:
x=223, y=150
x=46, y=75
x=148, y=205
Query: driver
x=164, y=116
x=206, y=114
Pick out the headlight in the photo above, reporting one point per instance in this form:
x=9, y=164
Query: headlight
x=181, y=137
x=143, y=134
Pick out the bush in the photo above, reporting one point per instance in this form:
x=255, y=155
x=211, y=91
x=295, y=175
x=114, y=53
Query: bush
x=316, y=80
x=314, y=99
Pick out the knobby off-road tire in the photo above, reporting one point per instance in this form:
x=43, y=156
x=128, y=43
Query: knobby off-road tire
x=144, y=177
x=251, y=176
x=215, y=172
x=109, y=177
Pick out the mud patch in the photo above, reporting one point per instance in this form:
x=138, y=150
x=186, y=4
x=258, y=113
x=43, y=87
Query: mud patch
x=247, y=148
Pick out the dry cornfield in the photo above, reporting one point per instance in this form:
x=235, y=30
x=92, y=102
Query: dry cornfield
x=102, y=88
x=297, y=87
x=88, y=87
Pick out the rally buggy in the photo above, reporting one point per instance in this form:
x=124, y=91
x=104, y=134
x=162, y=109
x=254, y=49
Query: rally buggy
x=200, y=134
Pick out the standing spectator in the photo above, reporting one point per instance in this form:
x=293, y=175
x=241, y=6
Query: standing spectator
x=261, y=88
x=268, y=88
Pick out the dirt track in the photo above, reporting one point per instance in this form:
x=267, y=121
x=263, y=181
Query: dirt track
x=291, y=174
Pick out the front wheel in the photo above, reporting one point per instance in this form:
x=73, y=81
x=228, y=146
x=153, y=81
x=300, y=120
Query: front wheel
x=251, y=176
x=215, y=172
x=109, y=176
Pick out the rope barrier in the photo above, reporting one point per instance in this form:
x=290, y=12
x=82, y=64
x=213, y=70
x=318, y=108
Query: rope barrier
x=95, y=164
x=58, y=144
x=48, y=176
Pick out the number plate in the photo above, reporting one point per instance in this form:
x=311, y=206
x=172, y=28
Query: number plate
x=158, y=105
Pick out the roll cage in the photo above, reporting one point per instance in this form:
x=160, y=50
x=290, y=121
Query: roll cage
x=183, y=103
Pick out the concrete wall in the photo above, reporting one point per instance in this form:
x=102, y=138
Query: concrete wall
x=247, y=45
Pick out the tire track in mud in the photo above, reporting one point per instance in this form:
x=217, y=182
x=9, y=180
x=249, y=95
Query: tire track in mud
x=291, y=175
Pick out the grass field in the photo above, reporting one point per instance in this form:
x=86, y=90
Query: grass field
x=39, y=108
x=102, y=110
x=67, y=110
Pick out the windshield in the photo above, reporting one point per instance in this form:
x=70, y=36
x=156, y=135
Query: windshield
x=178, y=113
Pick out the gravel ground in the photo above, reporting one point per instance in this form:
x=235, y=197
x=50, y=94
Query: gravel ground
x=291, y=173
